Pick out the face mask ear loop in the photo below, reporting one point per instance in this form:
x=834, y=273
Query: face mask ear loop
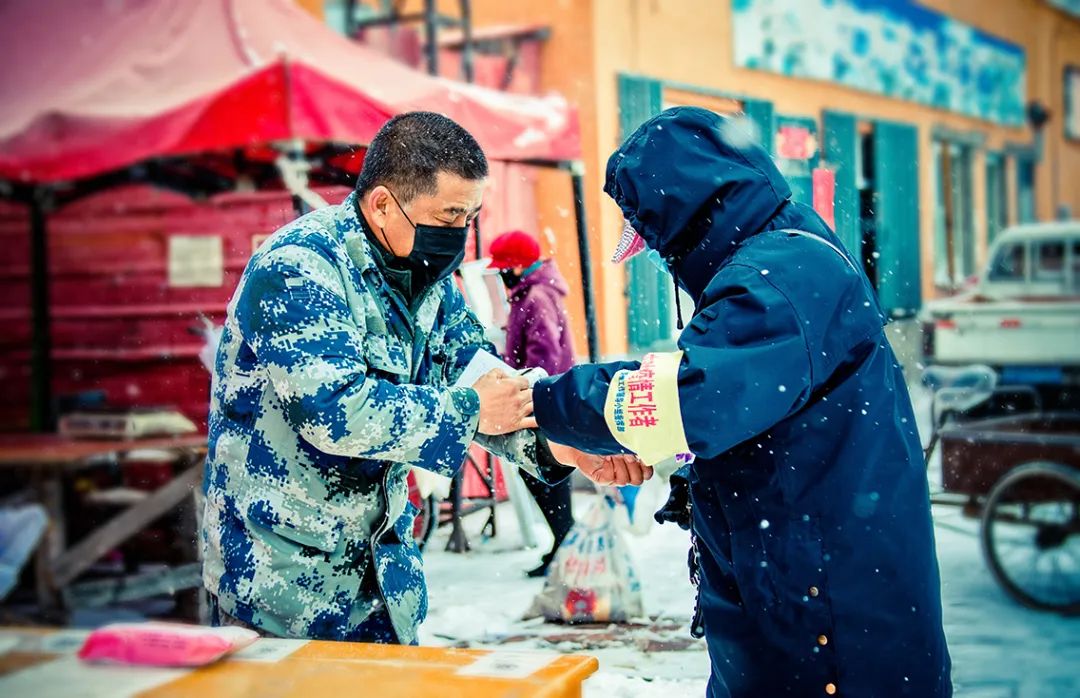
x=383, y=230
x=387, y=241
x=401, y=208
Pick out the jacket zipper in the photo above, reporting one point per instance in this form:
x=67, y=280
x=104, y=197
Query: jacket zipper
x=384, y=526
x=379, y=532
x=697, y=624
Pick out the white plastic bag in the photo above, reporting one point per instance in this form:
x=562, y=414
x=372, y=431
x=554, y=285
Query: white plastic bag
x=636, y=505
x=592, y=578
x=211, y=335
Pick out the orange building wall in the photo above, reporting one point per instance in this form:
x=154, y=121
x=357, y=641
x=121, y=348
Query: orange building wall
x=315, y=7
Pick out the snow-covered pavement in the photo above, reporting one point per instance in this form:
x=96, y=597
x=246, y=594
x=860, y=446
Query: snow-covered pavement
x=479, y=598
x=999, y=649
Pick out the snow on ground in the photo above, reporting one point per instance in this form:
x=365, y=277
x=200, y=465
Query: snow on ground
x=479, y=598
x=999, y=649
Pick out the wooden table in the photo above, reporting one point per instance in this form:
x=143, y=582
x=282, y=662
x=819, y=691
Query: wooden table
x=48, y=458
x=40, y=664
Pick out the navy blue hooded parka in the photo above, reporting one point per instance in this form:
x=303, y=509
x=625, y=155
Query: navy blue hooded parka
x=810, y=508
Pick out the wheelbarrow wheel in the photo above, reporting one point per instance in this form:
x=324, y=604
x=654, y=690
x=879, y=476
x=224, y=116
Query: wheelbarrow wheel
x=1031, y=536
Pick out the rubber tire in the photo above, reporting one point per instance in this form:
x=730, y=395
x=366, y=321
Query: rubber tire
x=1070, y=478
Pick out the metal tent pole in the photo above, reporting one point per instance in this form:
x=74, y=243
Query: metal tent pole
x=430, y=28
x=577, y=173
x=467, y=45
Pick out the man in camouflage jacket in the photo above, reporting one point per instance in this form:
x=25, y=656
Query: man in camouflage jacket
x=333, y=377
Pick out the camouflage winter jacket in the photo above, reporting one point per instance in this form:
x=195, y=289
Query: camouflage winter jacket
x=326, y=389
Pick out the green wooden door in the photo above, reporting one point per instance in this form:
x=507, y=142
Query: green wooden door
x=896, y=150
x=763, y=116
x=838, y=149
x=648, y=290
x=996, y=195
x=1025, y=187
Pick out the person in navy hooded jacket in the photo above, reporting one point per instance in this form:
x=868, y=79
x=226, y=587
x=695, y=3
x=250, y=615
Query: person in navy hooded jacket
x=813, y=545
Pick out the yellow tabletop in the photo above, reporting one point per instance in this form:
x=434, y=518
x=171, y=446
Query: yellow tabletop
x=305, y=669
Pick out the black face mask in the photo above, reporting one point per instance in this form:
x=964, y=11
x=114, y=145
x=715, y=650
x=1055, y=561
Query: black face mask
x=437, y=251
x=510, y=278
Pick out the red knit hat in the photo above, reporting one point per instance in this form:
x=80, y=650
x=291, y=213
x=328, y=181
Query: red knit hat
x=513, y=249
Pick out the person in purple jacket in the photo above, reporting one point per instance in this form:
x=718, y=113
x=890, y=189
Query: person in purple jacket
x=537, y=335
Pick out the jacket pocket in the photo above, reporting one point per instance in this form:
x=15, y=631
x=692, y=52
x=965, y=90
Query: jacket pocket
x=387, y=355
x=781, y=571
x=295, y=521
x=750, y=561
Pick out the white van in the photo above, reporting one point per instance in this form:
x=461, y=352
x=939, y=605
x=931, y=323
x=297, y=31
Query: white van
x=1023, y=315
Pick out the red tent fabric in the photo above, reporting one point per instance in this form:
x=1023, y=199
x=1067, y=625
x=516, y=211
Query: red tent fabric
x=96, y=85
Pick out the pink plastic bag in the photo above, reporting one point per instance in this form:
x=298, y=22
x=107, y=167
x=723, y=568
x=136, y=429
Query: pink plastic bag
x=163, y=644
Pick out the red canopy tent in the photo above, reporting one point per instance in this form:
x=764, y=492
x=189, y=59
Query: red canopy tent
x=97, y=85
x=192, y=95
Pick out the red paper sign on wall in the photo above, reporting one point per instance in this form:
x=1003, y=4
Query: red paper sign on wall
x=795, y=142
x=825, y=194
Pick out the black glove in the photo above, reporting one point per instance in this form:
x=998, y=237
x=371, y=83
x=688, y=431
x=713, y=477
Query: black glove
x=677, y=508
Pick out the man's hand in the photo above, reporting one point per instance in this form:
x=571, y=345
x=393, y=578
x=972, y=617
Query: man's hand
x=505, y=403
x=603, y=470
